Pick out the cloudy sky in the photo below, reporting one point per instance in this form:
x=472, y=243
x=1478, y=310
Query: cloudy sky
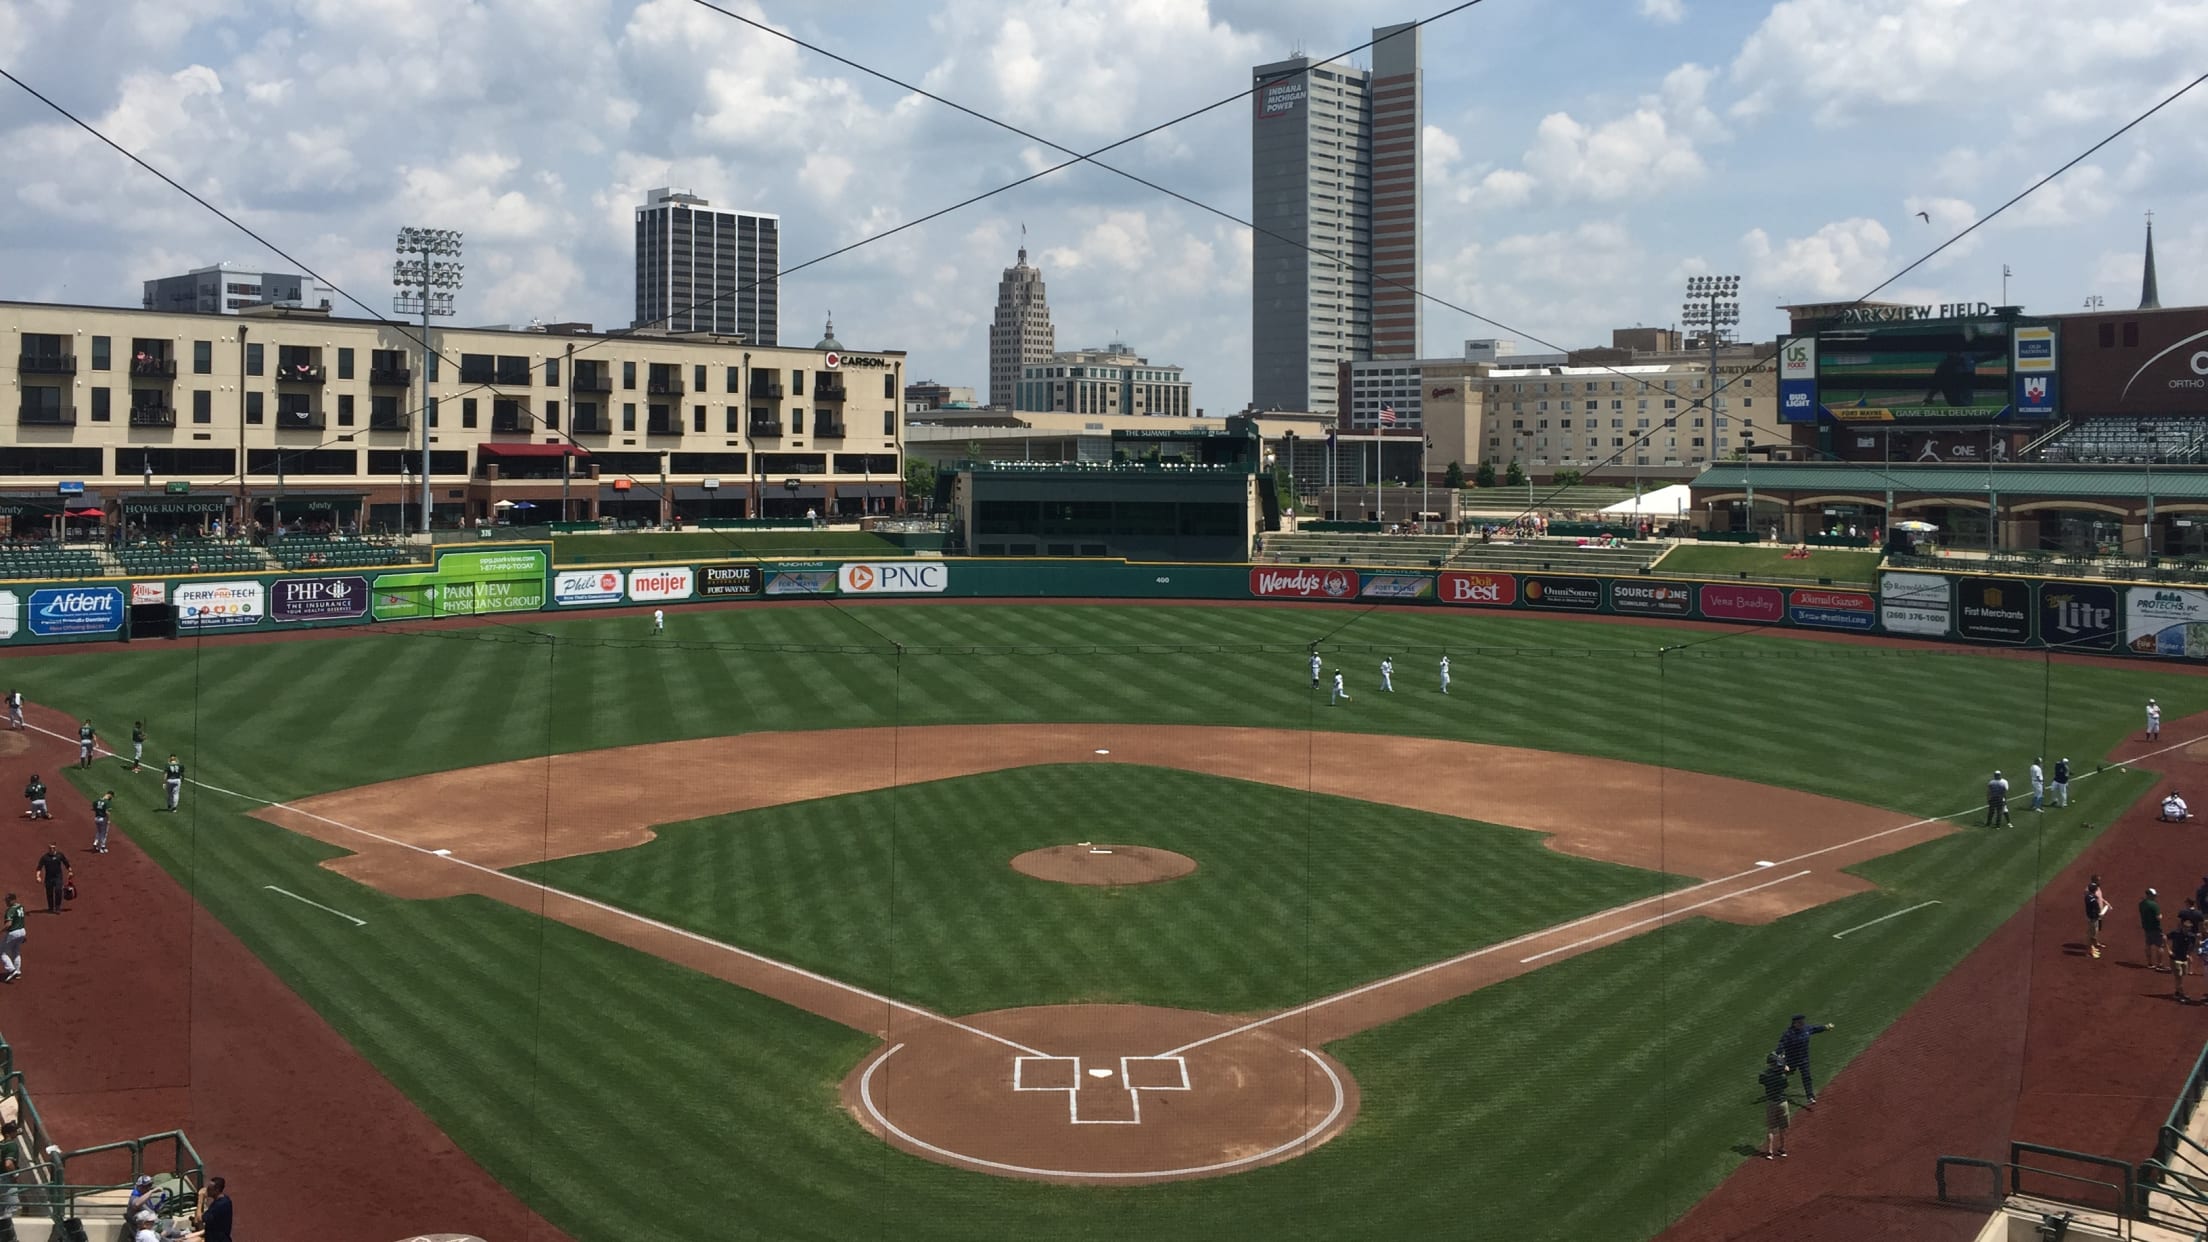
x=1583, y=156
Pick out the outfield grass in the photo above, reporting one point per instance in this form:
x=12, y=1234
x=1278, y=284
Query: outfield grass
x=881, y=889
x=676, y=545
x=1717, y=560
x=579, y=1072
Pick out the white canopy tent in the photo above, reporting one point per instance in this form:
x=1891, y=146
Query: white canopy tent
x=1673, y=501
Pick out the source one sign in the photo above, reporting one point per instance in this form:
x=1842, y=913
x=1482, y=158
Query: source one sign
x=893, y=578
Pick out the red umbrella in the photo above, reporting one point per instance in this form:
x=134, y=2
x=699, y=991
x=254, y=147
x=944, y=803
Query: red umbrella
x=86, y=513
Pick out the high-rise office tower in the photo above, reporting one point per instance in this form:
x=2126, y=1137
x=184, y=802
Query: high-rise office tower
x=700, y=270
x=1021, y=333
x=1334, y=181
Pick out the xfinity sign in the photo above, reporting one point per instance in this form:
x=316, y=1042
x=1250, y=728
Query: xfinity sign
x=894, y=578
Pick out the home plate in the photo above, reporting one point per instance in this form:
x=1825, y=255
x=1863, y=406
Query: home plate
x=1100, y=1073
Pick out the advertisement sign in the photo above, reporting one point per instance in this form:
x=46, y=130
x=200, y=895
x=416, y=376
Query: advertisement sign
x=2077, y=617
x=1278, y=98
x=661, y=583
x=1832, y=610
x=1577, y=594
x=464, y=584
x=220, y=605
x=1669, y=599
x=894, y=578
x=2132, y=362
x=11, y=614
x=1954, y=371
x=716, y=581
x=2035, y=349
x=1914, y=604
x=343, y=597
x=2164, y=622
x=1993, y=610
x=1398, y=586
x=75, y=610
x=149, y=592
x=1724, y=602
x=1304, y=583
x=801, y=582
x=1477, y=590
x=1798, y=380
x=587, y=586
x=2035, y=395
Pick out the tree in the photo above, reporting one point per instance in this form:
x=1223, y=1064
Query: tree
x=919, y=480
x=1516, y=475
x=1568, y=478
x=1485, y=475
x=1453, y=476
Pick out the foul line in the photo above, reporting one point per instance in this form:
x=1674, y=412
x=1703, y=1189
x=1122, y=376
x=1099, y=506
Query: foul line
x=548, y=890
x=1584, y=941
x=316, y=904
x=1883, y=917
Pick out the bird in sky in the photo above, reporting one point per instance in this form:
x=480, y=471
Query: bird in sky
x=1925, y=216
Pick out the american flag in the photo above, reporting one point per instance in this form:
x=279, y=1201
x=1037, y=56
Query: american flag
x=1387, y=416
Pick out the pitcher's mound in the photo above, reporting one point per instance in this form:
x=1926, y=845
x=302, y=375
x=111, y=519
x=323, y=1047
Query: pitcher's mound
x=1106, y=1095
x=1103, y=864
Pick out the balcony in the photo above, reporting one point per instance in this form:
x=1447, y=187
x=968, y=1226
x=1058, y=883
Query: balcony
x=512, y=421
x=769, y=389
x=301, y=373
x=153, y=368
x=390, y=377
x=47, y=364
x=398, y=421
x=757, y=428
x=153, y=416
x=300, y=420
x=47, y=415
x=670, y=426
x=662, y=387
x=827, y=428
x=590, y=425
x=828, y=392
x=593, y=381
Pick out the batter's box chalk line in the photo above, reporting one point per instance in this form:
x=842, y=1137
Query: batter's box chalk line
x=1135, y=1076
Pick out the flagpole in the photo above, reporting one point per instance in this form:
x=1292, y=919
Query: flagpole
x=1425, y=442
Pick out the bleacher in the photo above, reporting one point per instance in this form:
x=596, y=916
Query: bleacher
x=338, y=552
x=1561, y=556
x=1546, y=497
x=191, y=556
x=1337, y=548
x=1455, y=552
x=2190, y=570
x=47, y=559
x=2163, y=440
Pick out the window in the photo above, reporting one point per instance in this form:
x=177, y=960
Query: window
x=628, y=381
x=513, y=371
x=889, y=385
x=586, y=417
x=731, y=412
x=628, y=408
x=100, y=347
x=1671, y=403
x=294, y=409
x=733, y=374
x=552, y=413
x=253, y=352
x=697, y=412
x=2108, y=336
x=2131, y=335
x=99, y=401
x=253, y=407
x=467, y=411
x=889, y=423
x=345, y=365
x=203, y=405
x=551, y=373
x=430, y=364
x=797, y=383
x=797, y=420
x=477, y=368
x=697, y=380
x=383, y=412
x=431, y=409
x=1564, y=424
x=1747, y=403
x=344, y=405
x=203, y=358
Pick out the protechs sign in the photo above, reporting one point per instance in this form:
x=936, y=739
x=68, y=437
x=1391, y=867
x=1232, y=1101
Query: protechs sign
x=1304, y=583
x=573, y=587
x=1915, y=604
x=721, y=581
x=1724, y=602
x=662, y=583
x=894, y=578
x=1993, y=610
x=2077, y=618
x=1477, y=590
x=75, y=610
x=1575, y=594
x=1832, y=610
x=220, y=605
x=1798, y=380
x=1669, y=599
x=2164, y=622
x=340, y=598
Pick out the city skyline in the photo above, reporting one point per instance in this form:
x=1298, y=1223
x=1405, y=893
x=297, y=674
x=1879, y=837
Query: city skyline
x=1575, y=170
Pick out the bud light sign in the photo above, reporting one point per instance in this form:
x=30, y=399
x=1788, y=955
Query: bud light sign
x=76, y=610
x=341, y=598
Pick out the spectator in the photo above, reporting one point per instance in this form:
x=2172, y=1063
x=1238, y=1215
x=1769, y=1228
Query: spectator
x=2150, y=924
x=1773, y=1082
x=1794, y=1049
x=214, y=1218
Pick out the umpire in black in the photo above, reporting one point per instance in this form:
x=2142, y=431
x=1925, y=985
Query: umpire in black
x=1794, y=1048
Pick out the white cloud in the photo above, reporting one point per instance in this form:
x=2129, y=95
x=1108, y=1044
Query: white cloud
x=1647, y=151
x=1840, y=260
x=1668, y=12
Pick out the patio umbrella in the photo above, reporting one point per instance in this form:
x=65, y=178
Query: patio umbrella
x=1916, y=528
x=525, y=504
x=86, y=513
x=503, y=504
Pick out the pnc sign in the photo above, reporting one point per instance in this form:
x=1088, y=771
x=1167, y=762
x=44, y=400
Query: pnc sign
x=893, y=578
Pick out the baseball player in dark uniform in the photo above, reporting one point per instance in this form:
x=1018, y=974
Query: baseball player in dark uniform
x=1773, y=1082
x=2150, y=923
x=100, y=807
x=1794, y=1050
x=35, y=793
x=2062, y=782
x=2096, y=909
x=172, y=780
x=2183, y=940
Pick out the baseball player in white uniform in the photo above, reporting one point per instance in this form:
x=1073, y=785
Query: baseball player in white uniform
x=1339, y=693
x=1387, y=674
x=2039, y=784
x=2154, y=721
x=1445, y=674
x=15, y=709
x=659, y=620
x=1315, y=670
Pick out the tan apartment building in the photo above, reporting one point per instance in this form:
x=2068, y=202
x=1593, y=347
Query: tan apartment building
x=222, y=415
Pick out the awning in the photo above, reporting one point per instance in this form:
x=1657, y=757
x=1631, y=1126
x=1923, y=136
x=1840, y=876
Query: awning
x=497, y=449
x=86, y=513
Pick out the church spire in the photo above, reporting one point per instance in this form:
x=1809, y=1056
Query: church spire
x=2149, y=297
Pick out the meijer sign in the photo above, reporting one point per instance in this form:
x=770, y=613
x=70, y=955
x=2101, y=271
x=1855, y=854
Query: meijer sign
x=894, y=578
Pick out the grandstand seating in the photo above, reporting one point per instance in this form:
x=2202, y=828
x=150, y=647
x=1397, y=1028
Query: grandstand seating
x=1428, y=551
x=2173, y=440
x=191, y=556
x=46, y=559
x=1563, y=556
x=1336, y=548
x=337, y=552
x=1547, y=497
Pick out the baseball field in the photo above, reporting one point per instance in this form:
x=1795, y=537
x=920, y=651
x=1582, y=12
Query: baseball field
x=1082, y=921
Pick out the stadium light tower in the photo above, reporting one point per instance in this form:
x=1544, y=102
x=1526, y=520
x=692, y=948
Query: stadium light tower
x=1713, y=305
x=427, y=276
